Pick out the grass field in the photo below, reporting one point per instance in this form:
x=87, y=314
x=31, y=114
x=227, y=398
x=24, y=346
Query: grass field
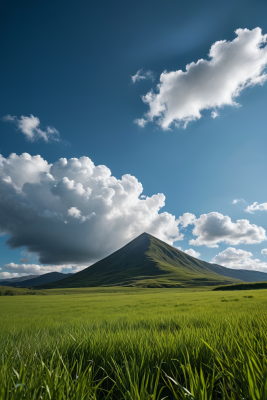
x=13, y=291
x=129, y=343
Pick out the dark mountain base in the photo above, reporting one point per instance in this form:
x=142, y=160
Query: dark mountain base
x=243, y=286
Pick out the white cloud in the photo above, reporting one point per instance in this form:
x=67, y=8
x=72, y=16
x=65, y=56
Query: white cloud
x=214, y=114
x=186, y=219
x=141, y=75
x=235, y=201
x=214, y=228
x=73, y=212
x=264, y=252
x=30, y=127
x=192, y=253
x=256, y=207
x=239, y=259
x=141, y=122
x=8, y=275
x=35, y=269
x=209, y=84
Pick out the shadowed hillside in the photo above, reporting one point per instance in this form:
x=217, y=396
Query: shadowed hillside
x=43, y=279
x=12, y=281
x=149, y=262
x=34, y=280
x=243, y=286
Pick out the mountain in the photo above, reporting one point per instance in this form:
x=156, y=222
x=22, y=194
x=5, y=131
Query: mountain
x=43, y=279
x=36, y=280
x=149, y=262
x=11, y=281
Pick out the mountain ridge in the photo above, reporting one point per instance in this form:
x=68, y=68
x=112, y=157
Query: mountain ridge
x=36, y=280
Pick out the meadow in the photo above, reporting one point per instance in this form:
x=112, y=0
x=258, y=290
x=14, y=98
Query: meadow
x=135, y=344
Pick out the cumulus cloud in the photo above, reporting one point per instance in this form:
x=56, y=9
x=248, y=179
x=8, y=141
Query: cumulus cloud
x=192, y=253
x=256, y=207
x=239, y=259
x=141, y=75
x=7, y=275
x=186, y=219
x=73, y=212
x=30, y=127
x=264, y=252
x=209, y=84
x=214, y=228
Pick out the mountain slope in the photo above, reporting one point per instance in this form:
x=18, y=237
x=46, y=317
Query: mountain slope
x=148, y=262
x=43, y=279
x=244, y=275
x=34, y=280
x=12, y=281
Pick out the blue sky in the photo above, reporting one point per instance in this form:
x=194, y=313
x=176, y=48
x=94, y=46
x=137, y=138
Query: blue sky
x=70, y=66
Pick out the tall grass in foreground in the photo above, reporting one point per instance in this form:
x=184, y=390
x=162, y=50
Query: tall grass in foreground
x=195, y=354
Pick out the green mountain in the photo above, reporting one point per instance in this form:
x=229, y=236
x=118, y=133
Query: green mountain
x=149, y=262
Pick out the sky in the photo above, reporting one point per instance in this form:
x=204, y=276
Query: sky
x=124, y=117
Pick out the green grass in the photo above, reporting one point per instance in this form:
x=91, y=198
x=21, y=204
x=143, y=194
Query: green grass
x=13, y=291
x=128, y=343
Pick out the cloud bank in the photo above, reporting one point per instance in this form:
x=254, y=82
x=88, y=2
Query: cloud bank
x=73, y=211
x=30, y=127
x=209, y=84
x=214, y=228
x=35, y=269
x=239, y=259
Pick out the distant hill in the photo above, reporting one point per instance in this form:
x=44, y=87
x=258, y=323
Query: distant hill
x=9, y=282
x=36, y=280
x=149, y=262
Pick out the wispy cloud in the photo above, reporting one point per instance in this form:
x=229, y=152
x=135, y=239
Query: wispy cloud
x=256, y=207
x=141, y=75
x=235, y=201
x=30, y=127
x=209, y=84
x=215, y=114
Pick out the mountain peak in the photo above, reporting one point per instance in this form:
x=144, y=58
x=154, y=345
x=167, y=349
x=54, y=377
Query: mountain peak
x=149, y=262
